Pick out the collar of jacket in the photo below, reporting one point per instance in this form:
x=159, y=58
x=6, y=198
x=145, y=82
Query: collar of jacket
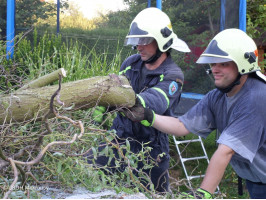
x=160, y=70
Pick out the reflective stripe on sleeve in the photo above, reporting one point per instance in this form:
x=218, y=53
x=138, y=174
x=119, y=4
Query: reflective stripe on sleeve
x=141, y=101
x=125, y=70
x=163, y=93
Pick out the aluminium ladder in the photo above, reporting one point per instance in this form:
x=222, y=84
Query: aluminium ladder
x=183, y=160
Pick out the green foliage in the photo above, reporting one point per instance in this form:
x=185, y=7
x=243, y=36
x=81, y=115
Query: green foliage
x=190, y=15
x=69, y=171
x=256, y=18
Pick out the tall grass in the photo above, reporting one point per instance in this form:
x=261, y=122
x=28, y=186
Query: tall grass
x=48, y=53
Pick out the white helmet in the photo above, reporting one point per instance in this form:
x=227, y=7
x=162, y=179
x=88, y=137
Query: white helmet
x=232, y=45
x=150, y=24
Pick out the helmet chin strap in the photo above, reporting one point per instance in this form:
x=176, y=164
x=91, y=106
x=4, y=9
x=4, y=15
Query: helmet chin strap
x=154, y=57
x=230, y=87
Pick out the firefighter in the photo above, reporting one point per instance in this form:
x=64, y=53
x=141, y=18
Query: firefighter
x=157, y=81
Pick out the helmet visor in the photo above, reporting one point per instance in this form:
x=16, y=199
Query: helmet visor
x=212, y=59
x=134, y=41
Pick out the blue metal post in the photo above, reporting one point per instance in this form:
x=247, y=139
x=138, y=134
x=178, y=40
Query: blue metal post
x=159, y=4
x=242, y=14
x=58, y=17
x=222, y=15
x=10, y=28
x=149, y=3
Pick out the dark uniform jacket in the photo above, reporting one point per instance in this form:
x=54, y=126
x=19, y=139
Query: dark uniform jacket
x=160, y=92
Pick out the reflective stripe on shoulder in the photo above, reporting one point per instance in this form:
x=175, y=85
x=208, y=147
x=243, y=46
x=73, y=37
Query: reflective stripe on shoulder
x=163, y=93
x=141, y=101
x=125, y=70
x=161, y=77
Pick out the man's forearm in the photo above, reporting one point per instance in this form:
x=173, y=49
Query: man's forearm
x=216, y=168
x=170, y=125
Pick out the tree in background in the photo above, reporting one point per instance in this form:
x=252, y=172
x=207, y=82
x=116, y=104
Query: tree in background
x=28, y=12
x=71, y=17
x=256, y=18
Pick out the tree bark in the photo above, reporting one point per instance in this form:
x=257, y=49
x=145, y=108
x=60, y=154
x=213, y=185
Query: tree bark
x=29, y=104
x=44, y=80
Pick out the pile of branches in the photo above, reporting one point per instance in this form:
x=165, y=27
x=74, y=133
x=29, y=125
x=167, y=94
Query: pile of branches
x=16, y=144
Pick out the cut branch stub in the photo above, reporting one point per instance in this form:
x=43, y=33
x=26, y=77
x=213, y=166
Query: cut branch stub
x=44, y=80
x=82, y=94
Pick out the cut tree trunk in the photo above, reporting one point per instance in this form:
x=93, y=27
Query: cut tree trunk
x=28, y=104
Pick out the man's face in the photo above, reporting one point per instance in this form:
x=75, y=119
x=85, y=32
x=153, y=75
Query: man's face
x=147, y=51
x=224, y=73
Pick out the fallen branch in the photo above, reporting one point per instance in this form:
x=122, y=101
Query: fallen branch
x=15, y=178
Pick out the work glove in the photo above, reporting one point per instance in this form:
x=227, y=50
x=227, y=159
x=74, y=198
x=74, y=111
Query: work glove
x=198, y=194
x=98, y=114
x=138, y=113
